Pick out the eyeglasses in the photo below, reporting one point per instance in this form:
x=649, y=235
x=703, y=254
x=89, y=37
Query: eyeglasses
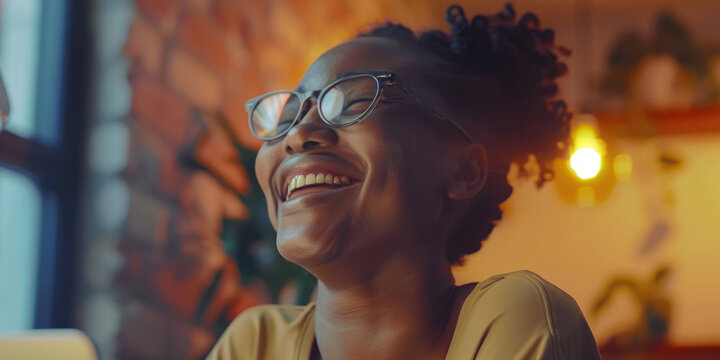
x=344, y=102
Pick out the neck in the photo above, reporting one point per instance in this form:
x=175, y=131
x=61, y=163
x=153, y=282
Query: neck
x=402, y=310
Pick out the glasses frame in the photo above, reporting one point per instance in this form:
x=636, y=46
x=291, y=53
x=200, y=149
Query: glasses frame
x=381, y=78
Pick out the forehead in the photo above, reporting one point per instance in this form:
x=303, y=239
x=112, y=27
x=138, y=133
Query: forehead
x=362, y=54
x=443, y=85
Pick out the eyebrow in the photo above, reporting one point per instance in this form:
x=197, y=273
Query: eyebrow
x=340, y=76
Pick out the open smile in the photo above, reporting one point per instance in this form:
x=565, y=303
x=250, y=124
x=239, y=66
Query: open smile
x=310, y=183
x=310, y=196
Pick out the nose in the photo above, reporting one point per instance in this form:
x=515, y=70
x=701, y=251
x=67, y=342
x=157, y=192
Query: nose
x=310, y=132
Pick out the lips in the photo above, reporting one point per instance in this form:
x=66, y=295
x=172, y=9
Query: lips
x=314, y=171
x=316, y=180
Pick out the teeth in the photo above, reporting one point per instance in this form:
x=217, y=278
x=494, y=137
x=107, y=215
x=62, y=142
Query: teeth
x=300, y=181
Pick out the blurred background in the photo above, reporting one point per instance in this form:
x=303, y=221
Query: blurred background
x=129, y=209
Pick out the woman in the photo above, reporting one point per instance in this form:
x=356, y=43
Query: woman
x=384, y=168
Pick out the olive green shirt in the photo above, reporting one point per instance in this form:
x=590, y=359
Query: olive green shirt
x=517, y=315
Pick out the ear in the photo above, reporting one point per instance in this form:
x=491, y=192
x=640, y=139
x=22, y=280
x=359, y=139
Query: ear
x=469, y=172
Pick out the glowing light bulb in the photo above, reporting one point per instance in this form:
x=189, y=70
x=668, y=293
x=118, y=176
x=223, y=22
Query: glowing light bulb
x=586, y=163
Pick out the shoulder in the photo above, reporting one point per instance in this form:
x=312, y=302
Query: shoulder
x=521, y=309
x=265, y=325
x=525, y=291
x=273, y=316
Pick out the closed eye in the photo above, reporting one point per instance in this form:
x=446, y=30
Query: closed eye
x=357, y=105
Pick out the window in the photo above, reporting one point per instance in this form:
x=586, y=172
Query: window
x=19, y=224
x=40, y=162
x=19, y=45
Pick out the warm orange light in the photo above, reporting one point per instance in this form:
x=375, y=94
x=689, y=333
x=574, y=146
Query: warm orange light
x=586, y=163
x=587, y=149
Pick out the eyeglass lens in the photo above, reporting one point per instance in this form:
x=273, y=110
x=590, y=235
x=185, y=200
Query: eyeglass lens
x=274, y=114
x=343, y=103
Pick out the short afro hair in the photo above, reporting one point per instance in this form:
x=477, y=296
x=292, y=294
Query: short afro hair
x=527, y=121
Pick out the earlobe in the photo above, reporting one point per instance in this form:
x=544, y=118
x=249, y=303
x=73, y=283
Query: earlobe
x=470, y=172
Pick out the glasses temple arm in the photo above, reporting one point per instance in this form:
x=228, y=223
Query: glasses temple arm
x=435, y=113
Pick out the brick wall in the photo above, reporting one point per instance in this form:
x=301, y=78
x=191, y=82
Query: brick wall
x=179, y=288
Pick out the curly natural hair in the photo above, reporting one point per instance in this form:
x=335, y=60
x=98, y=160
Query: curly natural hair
x=525, y=120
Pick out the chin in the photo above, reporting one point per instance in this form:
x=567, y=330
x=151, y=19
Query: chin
x=307, y=246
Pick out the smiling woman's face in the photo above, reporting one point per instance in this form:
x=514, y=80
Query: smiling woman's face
x=391, y=169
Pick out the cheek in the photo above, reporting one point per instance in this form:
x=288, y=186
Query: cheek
x=267, y=160
x=405, y=174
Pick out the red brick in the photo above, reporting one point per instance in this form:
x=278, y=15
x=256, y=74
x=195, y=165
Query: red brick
x=237, y=118
x=335, y=14
x=153, y=163
x=133, y=266
x=230, y=297
x=170, y=178
x=159, y=8
x=244, y=83
x=256, y=15
x=202, y=256
x=227, y=288
x=286, y=25
x=202, y=203
x=194, y=81
x=205, y=202
x=228, y=16
x=155, y=107
x=249, y=297
x=203, y=5
x=233, y=207
x=137, y=153
x=274, y=59
x=148, y=220
x=142, y=166
x=153, y=333
x=202, y=38
x=140, y=262
x=144, y=46
x=239, y=56
x=218, y=154
x=178, y=290
x=199, y=341
x=144, y=334
x=188, y=225
x=162, y=11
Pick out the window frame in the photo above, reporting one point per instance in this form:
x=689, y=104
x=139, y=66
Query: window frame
x=53, y=157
